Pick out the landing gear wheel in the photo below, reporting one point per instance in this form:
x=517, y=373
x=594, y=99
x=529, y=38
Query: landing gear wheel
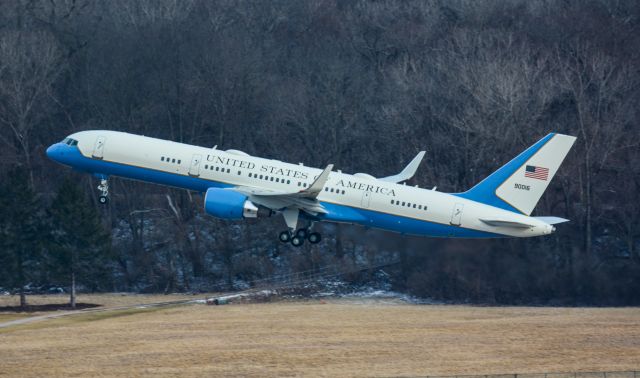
x=285, y=236
x=104, y=191
x=297, y=241
x=302, y=233
x=314, y=238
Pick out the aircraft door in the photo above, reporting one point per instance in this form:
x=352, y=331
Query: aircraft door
x=194, y=168
x=366, y=199
x=456, y=214
x=98, y=148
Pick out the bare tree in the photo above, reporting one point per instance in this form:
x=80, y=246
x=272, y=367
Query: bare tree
x=30, y=64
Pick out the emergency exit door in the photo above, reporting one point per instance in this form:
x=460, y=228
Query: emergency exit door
x=194, y=168
x=456, y=214
x=98, y=148
x=366, y=199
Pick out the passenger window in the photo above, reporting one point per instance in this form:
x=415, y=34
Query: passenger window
x=173, y=160
x=217, y=169
x=271, y=178
x=403, y=204
x=419, y=207
x=249, y=174
x=228, y=170
x=288, y=181
x=206, y=166
x=299, y=183
x=343, y=192
x=239, y=173
x=179, y=161
x=414, y=205
x=392, y=202
x=260, y=177
x=161, y=158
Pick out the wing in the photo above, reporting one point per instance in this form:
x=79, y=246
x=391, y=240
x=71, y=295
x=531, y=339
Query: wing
x=305, y=200
x=407, y=172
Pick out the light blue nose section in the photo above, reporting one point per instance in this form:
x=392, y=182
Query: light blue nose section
x=55, y=151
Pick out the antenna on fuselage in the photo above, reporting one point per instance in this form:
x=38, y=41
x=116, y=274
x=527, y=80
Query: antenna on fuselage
x=215, y=147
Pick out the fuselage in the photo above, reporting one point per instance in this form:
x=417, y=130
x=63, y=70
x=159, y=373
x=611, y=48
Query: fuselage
x=356, y=199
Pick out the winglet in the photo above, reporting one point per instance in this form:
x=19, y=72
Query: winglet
x=408, y=171
x=316, y=187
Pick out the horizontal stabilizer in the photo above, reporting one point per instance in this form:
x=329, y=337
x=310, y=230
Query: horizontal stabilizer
x=407, y=172
x=552, y=220
x=506, y=223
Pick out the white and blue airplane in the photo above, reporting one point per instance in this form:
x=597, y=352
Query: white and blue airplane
x=237, y=185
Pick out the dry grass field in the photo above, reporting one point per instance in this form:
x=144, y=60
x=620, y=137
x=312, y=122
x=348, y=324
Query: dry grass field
x=336, y=338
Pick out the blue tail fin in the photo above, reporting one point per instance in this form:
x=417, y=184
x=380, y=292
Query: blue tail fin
x=518, y=185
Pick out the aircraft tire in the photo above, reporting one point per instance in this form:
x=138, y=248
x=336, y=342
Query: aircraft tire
x=297, y=241
x=314, y=238
x=302, y=233
x=285, y=236
x=103, y=200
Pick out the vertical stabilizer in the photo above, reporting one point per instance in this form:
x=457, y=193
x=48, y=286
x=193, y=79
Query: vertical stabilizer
x=520, y=183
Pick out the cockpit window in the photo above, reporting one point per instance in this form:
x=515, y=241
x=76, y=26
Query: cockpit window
x=70, y=142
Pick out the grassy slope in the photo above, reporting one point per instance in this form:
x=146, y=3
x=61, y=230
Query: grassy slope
x=337, y=338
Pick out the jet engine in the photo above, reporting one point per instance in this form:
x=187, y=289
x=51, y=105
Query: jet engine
x=229, y=204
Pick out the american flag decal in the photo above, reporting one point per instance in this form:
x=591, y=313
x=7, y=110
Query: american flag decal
x=534, y=172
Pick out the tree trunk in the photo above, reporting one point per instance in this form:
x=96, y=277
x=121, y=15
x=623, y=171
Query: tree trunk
x=72, y=299
x=23, y=298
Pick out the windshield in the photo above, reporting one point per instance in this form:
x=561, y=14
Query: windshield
x=70, y=142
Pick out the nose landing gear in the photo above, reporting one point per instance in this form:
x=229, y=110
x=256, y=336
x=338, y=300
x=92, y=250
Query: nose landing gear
x=104, y=191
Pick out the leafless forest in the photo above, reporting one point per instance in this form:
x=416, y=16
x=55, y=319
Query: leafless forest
x=361, y=84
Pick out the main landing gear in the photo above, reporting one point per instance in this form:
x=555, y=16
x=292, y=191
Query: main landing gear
x=104, y=191
x=298, y=237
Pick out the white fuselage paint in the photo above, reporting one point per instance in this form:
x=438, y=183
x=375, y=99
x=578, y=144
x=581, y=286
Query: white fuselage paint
x=361, y=193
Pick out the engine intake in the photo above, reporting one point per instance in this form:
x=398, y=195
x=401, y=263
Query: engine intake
x=229, y=204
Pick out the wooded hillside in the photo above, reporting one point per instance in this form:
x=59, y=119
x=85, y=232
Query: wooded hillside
x=361, y=84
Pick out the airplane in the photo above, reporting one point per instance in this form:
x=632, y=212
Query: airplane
x=237, y=185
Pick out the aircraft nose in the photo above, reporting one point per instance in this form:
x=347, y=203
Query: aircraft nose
x=53, y=152
x=50, y=151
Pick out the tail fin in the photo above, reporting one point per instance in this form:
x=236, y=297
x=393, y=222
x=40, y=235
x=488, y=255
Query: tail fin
x=520, y=183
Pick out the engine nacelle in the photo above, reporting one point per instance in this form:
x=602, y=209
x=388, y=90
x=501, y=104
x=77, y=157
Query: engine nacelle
x=229, y=204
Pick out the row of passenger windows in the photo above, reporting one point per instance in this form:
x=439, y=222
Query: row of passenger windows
x=269, y=178
x=408, y=204
x=218, y=169
x=170, y=160
x=331, y=190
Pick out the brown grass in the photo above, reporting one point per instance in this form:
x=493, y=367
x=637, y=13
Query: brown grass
x=339, y=338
